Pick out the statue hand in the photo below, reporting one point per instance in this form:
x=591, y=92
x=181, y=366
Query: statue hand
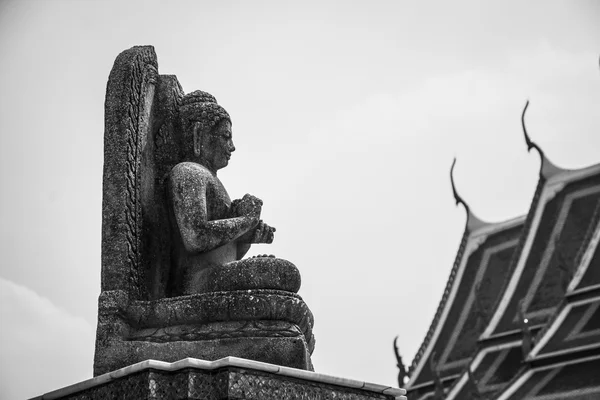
x=263, y=233
x=248, y=206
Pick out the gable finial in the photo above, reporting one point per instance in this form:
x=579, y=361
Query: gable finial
x=459, y=200
x=473, y=222
x=402, y=373
x=547, y=169
x=530, y=143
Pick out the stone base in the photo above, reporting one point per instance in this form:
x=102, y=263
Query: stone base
x=263, y=325
x=288, y=351
x=228, y=378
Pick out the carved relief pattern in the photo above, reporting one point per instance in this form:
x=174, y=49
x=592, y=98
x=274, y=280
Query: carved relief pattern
x=269, y=305
x=245, y=385
x=142, y=74
x=209, y=332
x=205, y=386
x=133, y=385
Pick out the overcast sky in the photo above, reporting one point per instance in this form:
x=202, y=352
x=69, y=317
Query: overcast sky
x=346, y=118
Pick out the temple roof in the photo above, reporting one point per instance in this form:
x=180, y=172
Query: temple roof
x=473, y=287
x=554, y=267
x=543, y=280
x=573, y=331
x=563, y=214
x=561, y=222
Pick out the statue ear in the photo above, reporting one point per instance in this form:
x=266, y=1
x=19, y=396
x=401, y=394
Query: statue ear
x=197, y=140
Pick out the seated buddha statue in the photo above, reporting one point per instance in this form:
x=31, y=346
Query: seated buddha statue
x=210, y=233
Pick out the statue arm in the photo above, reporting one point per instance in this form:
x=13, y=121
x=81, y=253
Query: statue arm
x=187, y=191
x=262, y=233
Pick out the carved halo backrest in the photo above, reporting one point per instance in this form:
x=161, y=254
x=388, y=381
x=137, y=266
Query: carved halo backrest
x=139, y=149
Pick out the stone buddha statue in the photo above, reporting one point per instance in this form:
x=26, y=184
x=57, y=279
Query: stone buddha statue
x=174, y=280
x=209, y=233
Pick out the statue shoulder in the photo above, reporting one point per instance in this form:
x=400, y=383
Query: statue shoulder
x=189, y=173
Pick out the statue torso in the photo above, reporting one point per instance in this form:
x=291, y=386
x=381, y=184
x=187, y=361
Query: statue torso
x=187, y=267
x=217, y=198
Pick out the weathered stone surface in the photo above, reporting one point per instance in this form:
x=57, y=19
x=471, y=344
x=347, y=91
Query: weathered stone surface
x=174, y=281
x=252, y=273
x=263, y=325
x=208, y=230
x=230, y=378
x=128, y=120
x=220, y=307
x=289, y=351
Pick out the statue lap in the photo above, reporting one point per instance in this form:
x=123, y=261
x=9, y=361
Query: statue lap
x=261, y=272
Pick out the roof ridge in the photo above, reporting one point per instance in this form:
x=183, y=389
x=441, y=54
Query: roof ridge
x=443, y=300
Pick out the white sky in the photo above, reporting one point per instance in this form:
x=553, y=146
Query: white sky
x=346, y=118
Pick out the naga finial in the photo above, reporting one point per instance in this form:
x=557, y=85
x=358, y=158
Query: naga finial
x=473, y=222
x=530, y=143
x=398, y=356
x=547, y=169
x=402, y=373
x=459, y=200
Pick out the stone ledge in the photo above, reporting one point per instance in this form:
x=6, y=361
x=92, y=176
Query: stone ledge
x=279, y=378
x=206, y=326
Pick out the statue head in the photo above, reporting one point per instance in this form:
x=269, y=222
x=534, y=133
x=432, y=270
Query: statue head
x=206, y=131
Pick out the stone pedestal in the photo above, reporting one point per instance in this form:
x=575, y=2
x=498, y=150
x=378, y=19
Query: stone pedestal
x=271, y=326
x=227, y=378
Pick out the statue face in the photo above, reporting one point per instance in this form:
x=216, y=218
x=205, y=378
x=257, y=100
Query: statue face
x=217, y=147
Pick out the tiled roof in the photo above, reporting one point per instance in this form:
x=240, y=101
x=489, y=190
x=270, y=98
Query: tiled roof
x=475, y=285
x=442, y=303
x=550, y=262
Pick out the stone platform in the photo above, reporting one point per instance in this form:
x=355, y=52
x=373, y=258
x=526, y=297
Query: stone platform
x=227, y=378
x=270, y=326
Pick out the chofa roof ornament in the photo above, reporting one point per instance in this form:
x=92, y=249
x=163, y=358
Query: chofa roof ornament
x=547, y=168
x=473, y=222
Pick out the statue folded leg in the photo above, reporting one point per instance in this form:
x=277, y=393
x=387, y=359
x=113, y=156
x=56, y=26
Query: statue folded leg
x=252, y=273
